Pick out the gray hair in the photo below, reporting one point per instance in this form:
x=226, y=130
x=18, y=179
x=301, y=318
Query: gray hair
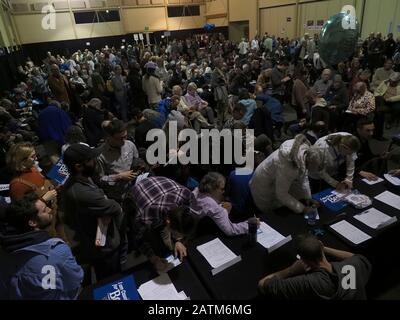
x=211, y=182
x=192, y=85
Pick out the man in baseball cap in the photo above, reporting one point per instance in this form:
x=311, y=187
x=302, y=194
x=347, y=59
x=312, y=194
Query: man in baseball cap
x=80, y=154
x=96, y=220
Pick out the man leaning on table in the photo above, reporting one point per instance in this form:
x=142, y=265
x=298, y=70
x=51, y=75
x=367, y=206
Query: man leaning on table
x=313, y=277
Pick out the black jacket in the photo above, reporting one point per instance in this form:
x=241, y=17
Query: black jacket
x=83, y=202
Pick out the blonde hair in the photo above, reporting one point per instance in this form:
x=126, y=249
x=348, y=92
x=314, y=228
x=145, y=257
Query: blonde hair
x=349, y=141
x=18, y=157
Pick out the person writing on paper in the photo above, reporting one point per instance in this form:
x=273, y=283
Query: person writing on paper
x=282, y=179
x=162, y=219
x=339, y=152
x=209, y=203
x=313, y=277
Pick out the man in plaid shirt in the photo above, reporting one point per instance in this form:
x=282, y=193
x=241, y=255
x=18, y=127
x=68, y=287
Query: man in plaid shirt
x=162, y=207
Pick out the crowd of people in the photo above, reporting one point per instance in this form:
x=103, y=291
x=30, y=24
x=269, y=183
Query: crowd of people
x=93, y=110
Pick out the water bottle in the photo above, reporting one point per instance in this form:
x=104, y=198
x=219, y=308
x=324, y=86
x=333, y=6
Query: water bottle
x=253, y=228
x=312, y=216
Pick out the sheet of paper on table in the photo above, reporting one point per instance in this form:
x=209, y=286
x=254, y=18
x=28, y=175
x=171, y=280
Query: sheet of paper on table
x=271, y=239
x=390, y=199
x=160, y=288
x=375, y=219
x=350, y=232
x=216, y=253
x=341, y=195
x=371, y=183
x=172, y=263
x=393, y=180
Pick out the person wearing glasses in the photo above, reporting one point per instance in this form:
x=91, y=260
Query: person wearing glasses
x=27, y=178
x=115, y=160
x=34, y=265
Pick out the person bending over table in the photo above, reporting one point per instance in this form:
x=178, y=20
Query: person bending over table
x=313, y=277
x=209, y=203
x=162, y=214
x=282, y=179
x=339, y=152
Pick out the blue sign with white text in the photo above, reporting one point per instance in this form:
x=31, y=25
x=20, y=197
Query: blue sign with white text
x=123, y=289
x=328, y=199
x=59, y=173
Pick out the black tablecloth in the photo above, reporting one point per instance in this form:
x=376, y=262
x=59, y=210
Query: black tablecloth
x=240, y=280
x=182, y=276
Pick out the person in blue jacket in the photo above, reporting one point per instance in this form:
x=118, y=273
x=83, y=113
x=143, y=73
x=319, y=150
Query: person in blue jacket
x=53, y=123
x=275, y=108
x=34, y=266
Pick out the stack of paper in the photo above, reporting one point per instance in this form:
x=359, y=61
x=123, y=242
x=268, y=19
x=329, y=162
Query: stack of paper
x=160, y=288
x=350, y=232
x=393, y=180
x=271, y=239
x=375, y=219
x=219, y=256
x=390, y=199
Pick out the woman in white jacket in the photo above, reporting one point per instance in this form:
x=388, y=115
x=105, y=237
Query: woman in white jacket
x=338, y=149
x=282, y=179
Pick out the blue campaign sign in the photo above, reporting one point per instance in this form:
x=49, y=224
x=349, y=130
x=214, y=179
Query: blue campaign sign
x=328, y=199
x=59, y=173
x=123, y=289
